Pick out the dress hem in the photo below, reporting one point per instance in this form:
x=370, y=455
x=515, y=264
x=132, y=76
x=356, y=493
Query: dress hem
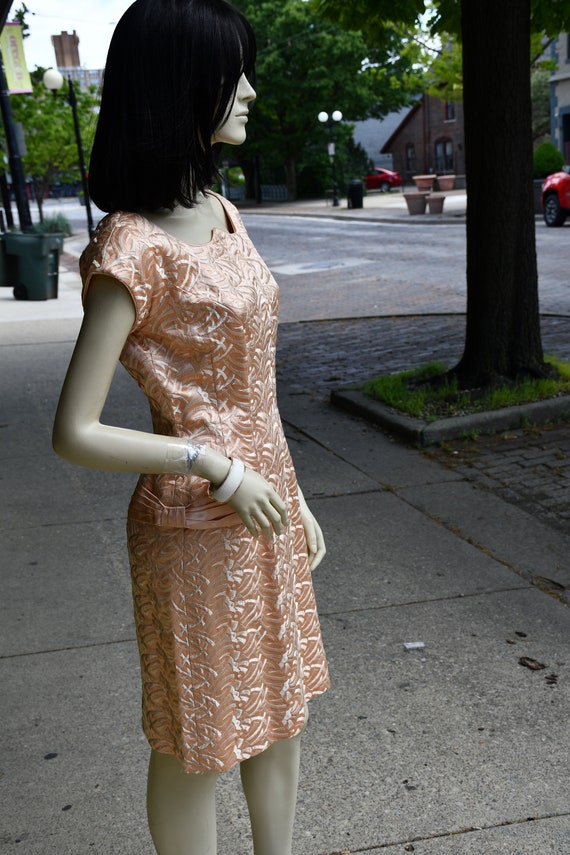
x=192, y=769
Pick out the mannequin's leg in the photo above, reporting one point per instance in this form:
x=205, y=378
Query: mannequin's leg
x=181, y=808
x=270, y=785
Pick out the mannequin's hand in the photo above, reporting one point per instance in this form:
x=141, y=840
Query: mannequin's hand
x=259, y=506
x=315, y=540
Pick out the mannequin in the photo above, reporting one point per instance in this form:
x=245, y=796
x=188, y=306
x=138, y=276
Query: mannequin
x=166, y=215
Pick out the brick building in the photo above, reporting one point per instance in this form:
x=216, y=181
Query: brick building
x=66, y=47
x=430, y=138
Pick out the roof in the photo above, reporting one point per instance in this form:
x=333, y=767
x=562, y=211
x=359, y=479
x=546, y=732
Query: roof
x=387, y=147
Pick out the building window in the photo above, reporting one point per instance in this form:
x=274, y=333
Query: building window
x=449, y=111
x=410, y=159
x=443, y=157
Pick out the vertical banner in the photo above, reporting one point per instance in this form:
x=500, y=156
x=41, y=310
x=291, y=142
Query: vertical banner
x=12, y=46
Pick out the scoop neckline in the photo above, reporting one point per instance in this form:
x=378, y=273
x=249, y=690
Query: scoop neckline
x=215, y=230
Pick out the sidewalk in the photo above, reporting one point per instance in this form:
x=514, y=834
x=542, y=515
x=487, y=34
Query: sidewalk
x=377, y=207
x=454, y=748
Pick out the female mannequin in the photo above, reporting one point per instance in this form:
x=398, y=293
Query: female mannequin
x=221, y=553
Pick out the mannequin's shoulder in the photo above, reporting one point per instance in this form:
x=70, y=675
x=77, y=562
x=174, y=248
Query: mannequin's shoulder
x=118, y=233
x=122, y=223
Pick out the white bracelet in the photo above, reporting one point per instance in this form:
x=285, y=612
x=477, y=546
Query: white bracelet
x=231, y=483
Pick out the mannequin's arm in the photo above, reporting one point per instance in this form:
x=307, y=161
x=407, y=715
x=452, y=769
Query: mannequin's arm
x=313, y=533
x=79, y=436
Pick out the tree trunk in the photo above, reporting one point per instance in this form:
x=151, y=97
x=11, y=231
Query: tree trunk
x=40, y=188
x=503, y=323
x=291, y=177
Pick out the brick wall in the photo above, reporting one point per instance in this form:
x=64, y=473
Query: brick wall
x=433, y=135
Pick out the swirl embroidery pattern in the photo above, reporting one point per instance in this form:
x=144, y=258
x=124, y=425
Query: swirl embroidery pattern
x=228, y=633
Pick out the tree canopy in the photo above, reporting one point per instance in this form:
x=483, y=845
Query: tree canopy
x=47, y=120
x=307, y=65
x=374, y=17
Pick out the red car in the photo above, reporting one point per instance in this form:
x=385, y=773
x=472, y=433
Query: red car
x=556, y=198
x=383, y=180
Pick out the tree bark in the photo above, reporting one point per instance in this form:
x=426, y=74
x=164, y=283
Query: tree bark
x=503, y=324
x=291, y=177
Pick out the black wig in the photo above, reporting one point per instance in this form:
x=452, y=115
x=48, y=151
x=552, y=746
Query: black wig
x=171, y=74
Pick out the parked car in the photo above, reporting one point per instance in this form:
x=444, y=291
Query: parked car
x=383, y=180
x=556, y=197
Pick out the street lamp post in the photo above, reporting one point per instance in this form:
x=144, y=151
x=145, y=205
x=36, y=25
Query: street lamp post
x=53, y=80
x=324, y=118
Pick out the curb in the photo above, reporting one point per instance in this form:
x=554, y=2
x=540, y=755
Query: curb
x=423, y=433
x=410, y=219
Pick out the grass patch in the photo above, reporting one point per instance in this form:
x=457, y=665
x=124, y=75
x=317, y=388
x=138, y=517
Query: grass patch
x=411, y=392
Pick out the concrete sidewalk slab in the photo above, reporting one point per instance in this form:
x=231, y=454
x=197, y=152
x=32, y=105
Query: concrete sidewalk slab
x=49, y=601
x=458, y=735
x=396, y=555
x=74, y=759
x=357, y=442
x=534, y=549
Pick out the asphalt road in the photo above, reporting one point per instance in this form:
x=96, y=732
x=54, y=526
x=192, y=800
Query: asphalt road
x=330, y=269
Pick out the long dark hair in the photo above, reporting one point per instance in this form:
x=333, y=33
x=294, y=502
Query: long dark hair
x=172, y=71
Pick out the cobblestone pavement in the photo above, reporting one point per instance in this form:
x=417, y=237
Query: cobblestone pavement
x=530, y=467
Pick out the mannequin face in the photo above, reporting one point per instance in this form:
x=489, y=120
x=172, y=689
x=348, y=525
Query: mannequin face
x=232, y=130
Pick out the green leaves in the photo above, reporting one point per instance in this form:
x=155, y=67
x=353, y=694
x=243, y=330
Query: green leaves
x=307, y=64
x=47, y=120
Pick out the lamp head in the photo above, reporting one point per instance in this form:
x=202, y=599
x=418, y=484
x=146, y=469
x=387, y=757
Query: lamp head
x=53, y=79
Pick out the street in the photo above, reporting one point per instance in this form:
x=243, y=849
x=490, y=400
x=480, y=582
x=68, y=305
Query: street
x=330, y=269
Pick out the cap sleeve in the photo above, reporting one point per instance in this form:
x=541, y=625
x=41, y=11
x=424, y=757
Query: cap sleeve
x=123, y=248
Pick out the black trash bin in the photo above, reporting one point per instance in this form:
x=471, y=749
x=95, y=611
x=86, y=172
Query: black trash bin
x=355, y=193
x=37, y=257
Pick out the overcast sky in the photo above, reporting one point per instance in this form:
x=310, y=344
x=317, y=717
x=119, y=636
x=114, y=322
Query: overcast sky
x=93, y=20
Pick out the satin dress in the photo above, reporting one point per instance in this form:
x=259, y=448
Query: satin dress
x=228, y=633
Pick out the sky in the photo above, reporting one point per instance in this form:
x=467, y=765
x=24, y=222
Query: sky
x=93, y=20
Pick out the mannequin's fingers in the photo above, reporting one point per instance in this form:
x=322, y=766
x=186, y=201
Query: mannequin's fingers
x=281, y=509
x=268, y=519
x=250, y=525
x=316, y=546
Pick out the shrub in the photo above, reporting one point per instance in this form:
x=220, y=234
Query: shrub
x=57, y=223
x=547, y=159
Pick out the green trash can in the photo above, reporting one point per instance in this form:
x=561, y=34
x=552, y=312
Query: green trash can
x=8, y=266
x=37, y=257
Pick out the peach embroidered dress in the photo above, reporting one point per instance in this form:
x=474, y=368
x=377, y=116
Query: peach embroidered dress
x=229, y=638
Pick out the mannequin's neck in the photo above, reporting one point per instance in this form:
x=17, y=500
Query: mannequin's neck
x=191, y=225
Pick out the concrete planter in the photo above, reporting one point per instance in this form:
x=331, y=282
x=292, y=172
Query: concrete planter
x=416, y=202
x=445, y=182
x=424, y=183
x=435, y=203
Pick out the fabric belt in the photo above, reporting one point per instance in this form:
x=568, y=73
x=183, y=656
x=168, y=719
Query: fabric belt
x=147, y=508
